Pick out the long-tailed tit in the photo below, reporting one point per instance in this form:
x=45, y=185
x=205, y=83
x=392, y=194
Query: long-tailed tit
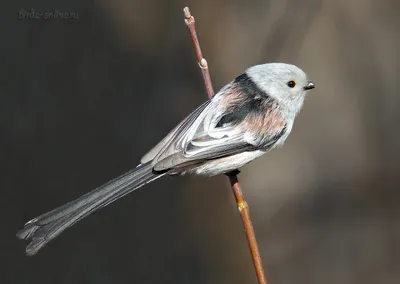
x=248, y=117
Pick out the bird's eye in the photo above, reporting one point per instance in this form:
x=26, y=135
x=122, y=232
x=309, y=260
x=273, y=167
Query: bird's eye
x=291, y=83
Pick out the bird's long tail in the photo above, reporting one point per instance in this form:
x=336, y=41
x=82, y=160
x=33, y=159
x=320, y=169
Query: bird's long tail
x=46, y=227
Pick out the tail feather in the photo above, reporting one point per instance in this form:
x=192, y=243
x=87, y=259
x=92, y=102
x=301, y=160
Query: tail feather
x=47, y=226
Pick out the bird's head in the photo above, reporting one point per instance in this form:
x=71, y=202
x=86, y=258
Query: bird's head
x=286, y=83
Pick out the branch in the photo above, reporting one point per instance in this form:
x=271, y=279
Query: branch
x=237, y=191
x=189, y=20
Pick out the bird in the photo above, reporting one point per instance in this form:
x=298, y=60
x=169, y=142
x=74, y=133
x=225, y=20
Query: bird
x=248, y=117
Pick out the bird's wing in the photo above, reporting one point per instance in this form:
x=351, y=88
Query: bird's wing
x=203, y=148
x=207, y=147
x=189, y=125
x=204, y=137
x=176, y=132
x=195, y=135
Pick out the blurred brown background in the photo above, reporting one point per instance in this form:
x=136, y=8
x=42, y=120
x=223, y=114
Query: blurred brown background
x=82, y=99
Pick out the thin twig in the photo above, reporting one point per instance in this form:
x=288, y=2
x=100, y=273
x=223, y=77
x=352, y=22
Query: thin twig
x=237, y=191
x=243, y=208
x=189, y=20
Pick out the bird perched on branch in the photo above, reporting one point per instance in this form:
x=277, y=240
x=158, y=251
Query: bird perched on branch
x=248, y=117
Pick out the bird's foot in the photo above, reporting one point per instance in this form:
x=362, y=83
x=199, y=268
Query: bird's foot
x=233, y=173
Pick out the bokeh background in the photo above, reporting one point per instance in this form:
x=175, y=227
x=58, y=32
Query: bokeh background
x=82, y=99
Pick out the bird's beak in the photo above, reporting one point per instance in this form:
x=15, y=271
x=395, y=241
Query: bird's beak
x=310, y=85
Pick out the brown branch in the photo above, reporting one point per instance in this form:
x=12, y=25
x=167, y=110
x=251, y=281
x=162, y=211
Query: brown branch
x=243, y=208
x=189, y=20
x=237, y=191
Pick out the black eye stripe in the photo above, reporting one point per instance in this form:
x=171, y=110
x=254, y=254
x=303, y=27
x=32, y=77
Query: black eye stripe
x=291, y=83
